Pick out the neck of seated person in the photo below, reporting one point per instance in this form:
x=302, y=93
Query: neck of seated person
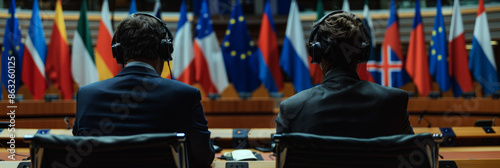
x=157, y=64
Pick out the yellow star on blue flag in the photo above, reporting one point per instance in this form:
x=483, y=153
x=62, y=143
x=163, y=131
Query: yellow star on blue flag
x=12, y=53
x=438, y=62
x=237, y=50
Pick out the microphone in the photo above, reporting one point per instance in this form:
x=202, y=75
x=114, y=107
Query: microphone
x=68, y=125
x=422, y=117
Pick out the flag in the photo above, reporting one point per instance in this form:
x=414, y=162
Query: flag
x=345, y=6
x=157, y=11
x=105, y=63
x=184, y=68
x=314, y=69
x=268, y=57
x=210, y=68
x=368, y=23
x=387, y=69
x=417, y=62
x=237, y=49
x=133, y=8
x=58, y=61
x=460, y=76
x=482, y=59
x=438, y=61
x=167, y=65
x=12, y=53
x=35, y=53
x=83, y=66
x=294, y=59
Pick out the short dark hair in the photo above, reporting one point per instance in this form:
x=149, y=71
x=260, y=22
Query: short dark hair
x=335, y=28
x=139, y=37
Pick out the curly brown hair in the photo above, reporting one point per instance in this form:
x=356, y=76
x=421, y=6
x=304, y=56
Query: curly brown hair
x=338, y=31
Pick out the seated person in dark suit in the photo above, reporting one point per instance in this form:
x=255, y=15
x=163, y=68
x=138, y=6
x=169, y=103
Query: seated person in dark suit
x=343, y=105
x=138, y=100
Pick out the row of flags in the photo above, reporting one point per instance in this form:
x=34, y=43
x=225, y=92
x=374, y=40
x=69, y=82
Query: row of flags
x=245, y=63
x=445, y=61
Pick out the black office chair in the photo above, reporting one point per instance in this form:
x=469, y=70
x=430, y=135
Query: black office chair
x=143, y=150
x=309, y=150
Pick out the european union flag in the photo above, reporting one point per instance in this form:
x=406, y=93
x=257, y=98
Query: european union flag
x=438, y=62
x=12, y=53
x=237, y=49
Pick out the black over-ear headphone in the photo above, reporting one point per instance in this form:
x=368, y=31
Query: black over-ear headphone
x=165, y=47
x=359, y=45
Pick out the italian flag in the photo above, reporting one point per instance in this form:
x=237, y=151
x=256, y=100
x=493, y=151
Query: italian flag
x=83, y=65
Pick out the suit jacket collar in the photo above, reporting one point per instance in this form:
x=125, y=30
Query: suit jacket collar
x=138, y=70
x=341, y=75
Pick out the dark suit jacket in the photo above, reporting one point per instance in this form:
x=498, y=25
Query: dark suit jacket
x=344, y=105
x=138, y=100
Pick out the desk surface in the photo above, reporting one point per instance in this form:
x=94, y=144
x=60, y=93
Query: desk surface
x=467, y=156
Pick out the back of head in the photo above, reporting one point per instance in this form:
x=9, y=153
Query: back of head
x=344, y=39
x=139, y=36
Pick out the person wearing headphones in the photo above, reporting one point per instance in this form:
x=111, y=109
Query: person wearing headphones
x=343, y=105
x=138, y=100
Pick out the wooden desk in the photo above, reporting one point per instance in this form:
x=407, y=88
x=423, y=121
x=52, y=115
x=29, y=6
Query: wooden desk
x=260, y=112
x=261, y=137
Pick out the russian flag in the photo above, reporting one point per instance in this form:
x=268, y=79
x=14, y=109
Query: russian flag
x=268, y=57
x=482, y=61
x=35, y=53
x=294, y=56
x=184, y=68
x=210, y=68
x=417, y=62
x=368, y=23
x=461, y=80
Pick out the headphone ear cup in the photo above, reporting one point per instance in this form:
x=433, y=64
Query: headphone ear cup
x=117, y=51
x=166, y=49
x=316, y=52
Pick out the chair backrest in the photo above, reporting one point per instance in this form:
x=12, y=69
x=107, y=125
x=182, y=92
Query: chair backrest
x=309, y=150
x=142, y=150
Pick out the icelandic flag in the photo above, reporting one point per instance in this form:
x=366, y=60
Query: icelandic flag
x=482, y=59
x=367, y=21
x=438, y=61
x=417, y=62
x=210, y=68
x=387, y=70
x=460, y=77
x=157, y=10
x=35, y=54
x=183, y=69
x=133, y=8
x=294, y=59
x=267, y=54
x=237, y=49
x=12, y=52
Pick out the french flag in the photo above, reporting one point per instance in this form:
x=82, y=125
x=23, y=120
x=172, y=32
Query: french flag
x=482, y=61
x=184, y=68
x=294, y=56
x=461, y=80
x=210, y=68
x=35, y=53
x=267, y=53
